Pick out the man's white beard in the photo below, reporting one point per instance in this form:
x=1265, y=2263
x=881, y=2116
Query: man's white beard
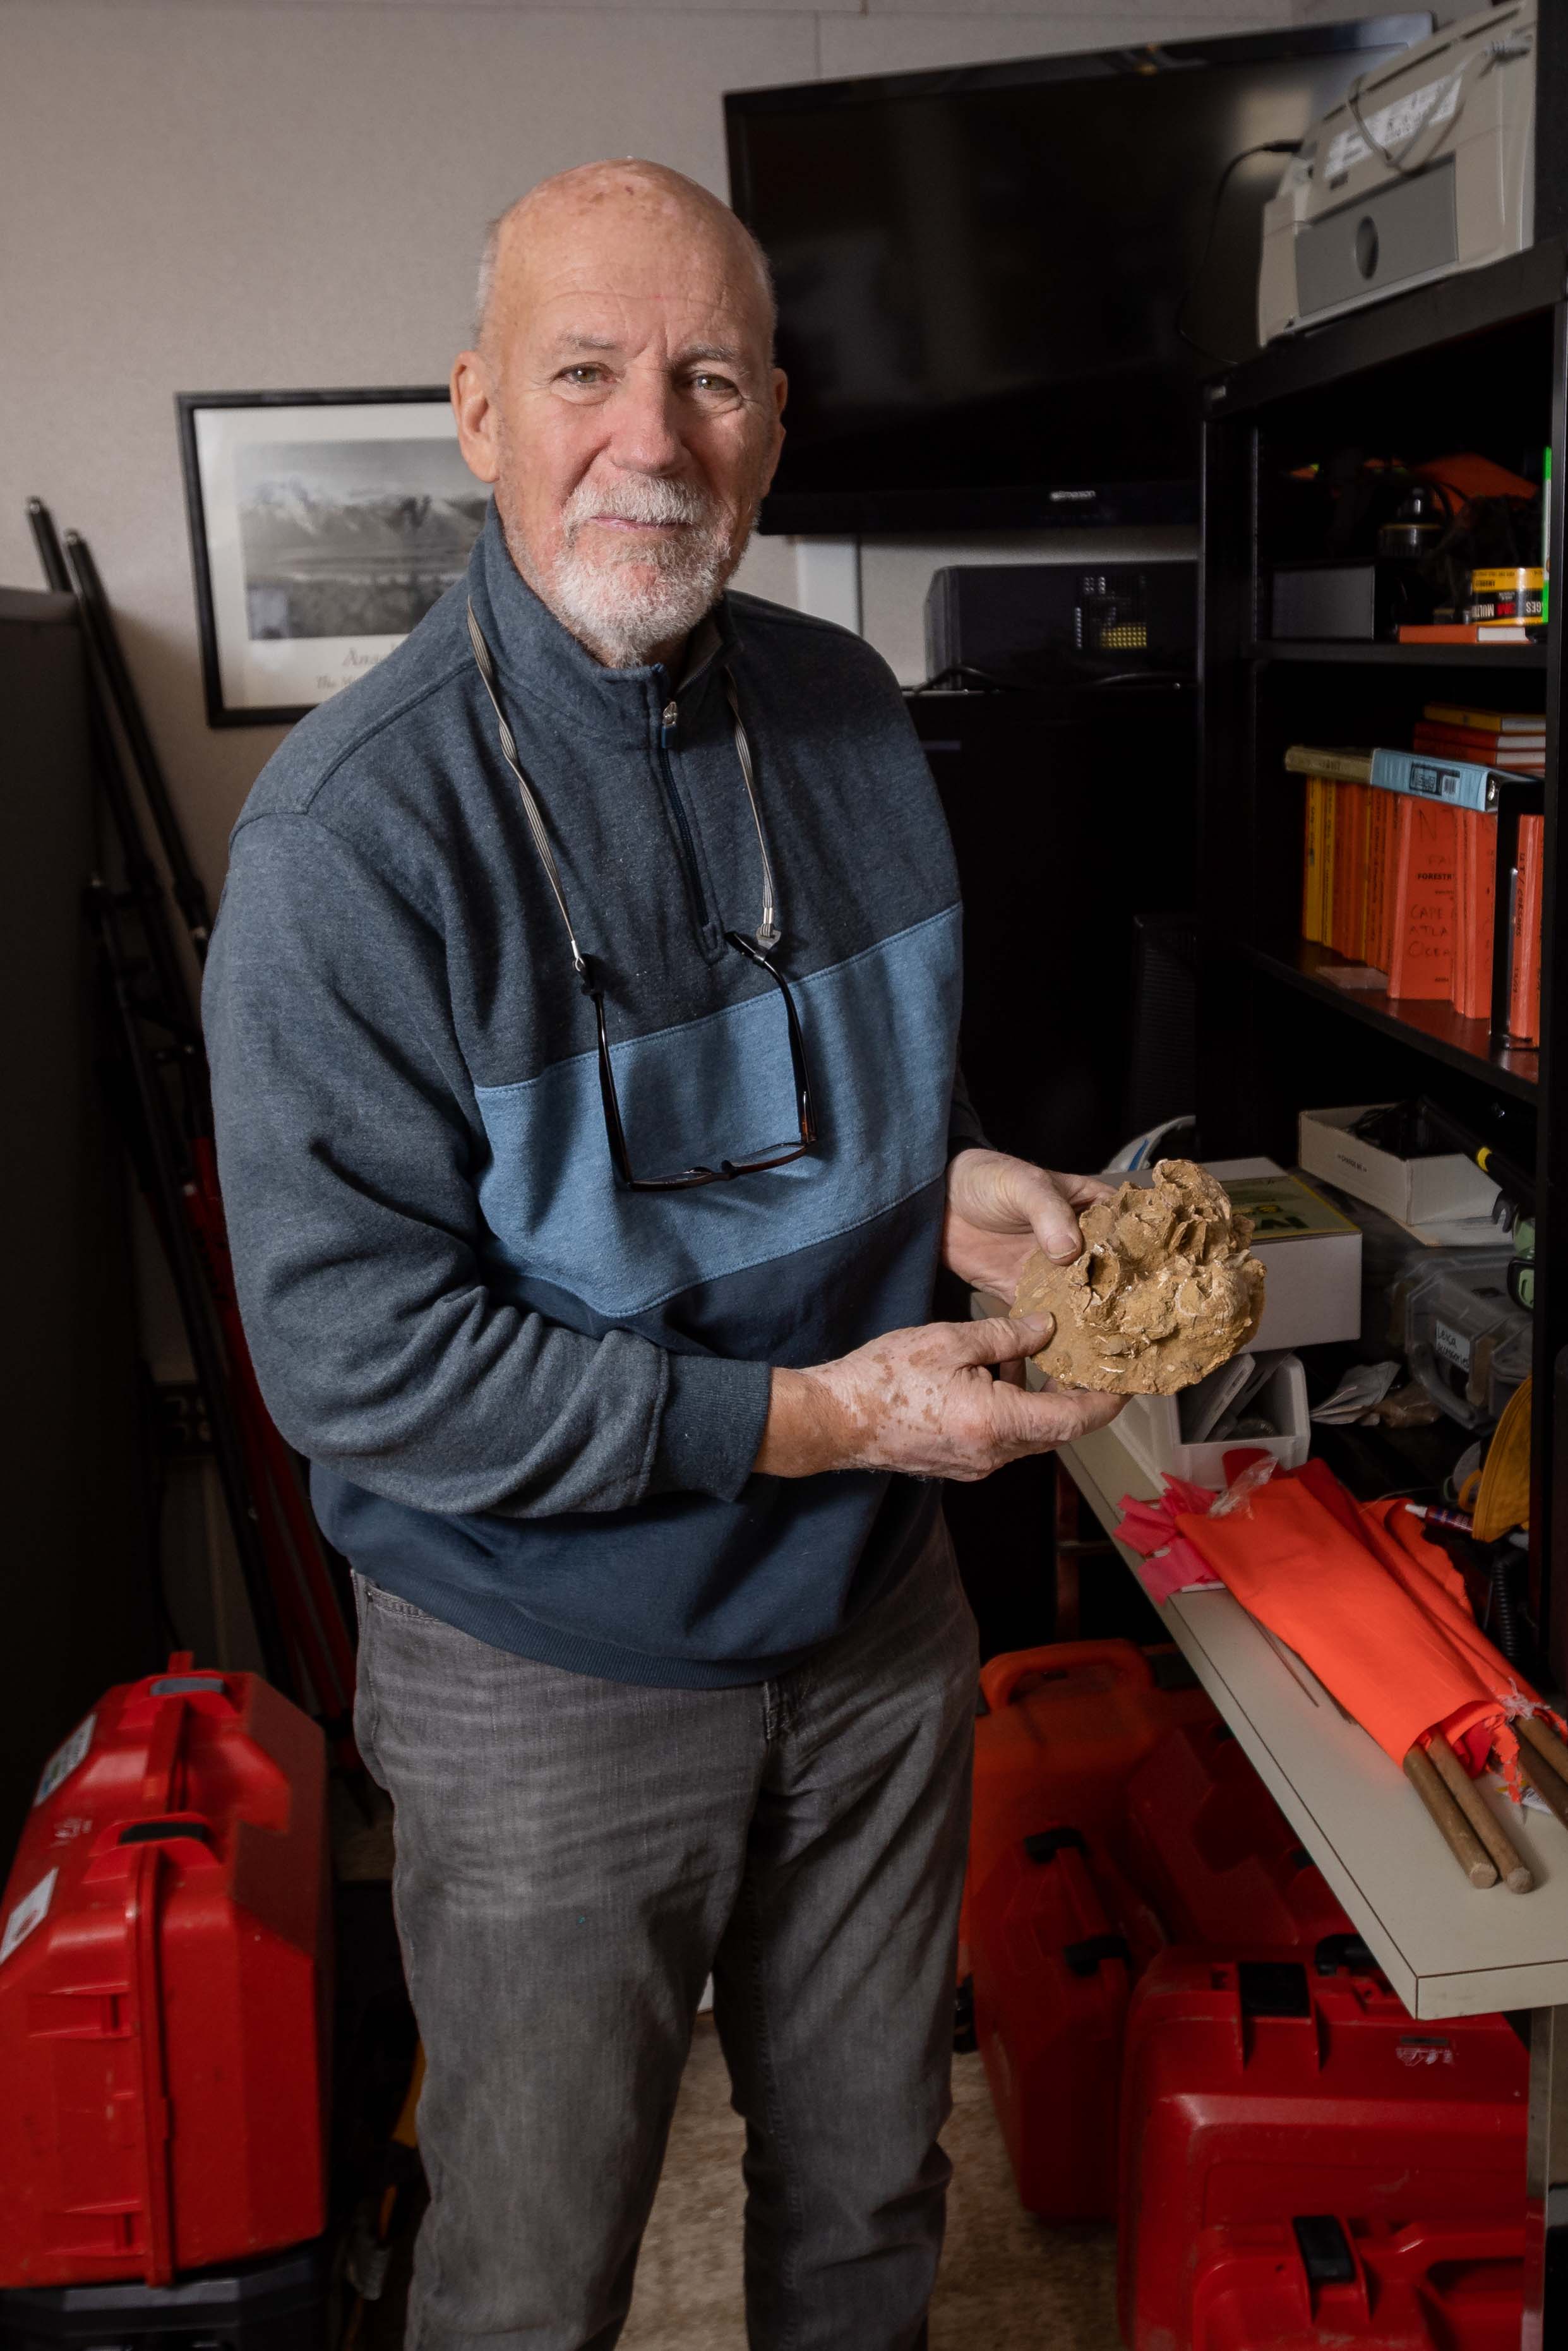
x=624, y=602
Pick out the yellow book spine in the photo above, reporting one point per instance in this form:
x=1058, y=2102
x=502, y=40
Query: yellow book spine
x=1361, y=891
x=1345, y=767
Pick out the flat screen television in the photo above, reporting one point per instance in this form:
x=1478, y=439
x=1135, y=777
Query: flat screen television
x=1000, y=287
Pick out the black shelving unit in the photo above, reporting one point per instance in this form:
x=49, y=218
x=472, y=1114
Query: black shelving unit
x=1449, y=657
x=1479, y=362
x=1467, y=1046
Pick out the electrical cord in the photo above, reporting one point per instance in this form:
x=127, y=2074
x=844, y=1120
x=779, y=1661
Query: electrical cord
x=1065, y=673
x=966, y=675
x=1508, y=46
x=1264, y=147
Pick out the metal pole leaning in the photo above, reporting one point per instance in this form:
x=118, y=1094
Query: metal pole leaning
x=280, y=1551
x=185, y=1266
x=189, y=896
x=141, y=876
x=47, y=539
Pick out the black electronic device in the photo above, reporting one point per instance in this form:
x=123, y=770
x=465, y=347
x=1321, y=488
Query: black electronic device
x=1001, y=286
x=1161, y=1050
x=1035, y=623
x=1352, y=599
x=1050, y=795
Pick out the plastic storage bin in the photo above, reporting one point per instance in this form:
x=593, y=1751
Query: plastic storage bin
x=1466, y=1341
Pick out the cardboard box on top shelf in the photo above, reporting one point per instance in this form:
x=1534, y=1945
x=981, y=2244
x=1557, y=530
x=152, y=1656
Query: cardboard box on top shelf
x=1311, y=1254
x=1415, y=1191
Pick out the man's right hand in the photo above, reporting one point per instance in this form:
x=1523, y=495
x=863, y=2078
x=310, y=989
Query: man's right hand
x=923, y=1402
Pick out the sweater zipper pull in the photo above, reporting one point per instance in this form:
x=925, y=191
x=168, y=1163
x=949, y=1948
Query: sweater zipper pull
x=668, y=718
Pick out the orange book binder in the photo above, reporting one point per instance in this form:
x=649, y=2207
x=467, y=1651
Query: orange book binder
x=1460, y=984
x=1346, y=929
x=1475, y=901
x=1390, y=878
x=1380, y=817
x=1421, y=951
x=1524, y=982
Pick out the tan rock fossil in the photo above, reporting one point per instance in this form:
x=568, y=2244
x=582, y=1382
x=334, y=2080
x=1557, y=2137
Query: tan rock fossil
x=1167, y=1288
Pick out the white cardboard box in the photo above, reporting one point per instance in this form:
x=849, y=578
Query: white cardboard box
x=1417, y=1191
x=1150, y=1427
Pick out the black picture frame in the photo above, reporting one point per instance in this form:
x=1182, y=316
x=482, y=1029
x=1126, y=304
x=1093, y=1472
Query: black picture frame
x=235, y=677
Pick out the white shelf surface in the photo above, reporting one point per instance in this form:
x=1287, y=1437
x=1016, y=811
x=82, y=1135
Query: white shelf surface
x=1447, y=1949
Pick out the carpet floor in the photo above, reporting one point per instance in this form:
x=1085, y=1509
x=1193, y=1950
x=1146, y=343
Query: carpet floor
x=1007, y=2283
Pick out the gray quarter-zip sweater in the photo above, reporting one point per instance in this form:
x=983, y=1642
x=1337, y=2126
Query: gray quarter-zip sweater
x=532, y=1397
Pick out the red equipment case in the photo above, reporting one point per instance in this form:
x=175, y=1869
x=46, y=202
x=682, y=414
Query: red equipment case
x=1259, y=2094
x=276, y=2303
x=1053, y=1974
x=1066, y=1726
x=163, y=1985
x=1303, y=2284
x=1215, y=1855
x=1191, y=1845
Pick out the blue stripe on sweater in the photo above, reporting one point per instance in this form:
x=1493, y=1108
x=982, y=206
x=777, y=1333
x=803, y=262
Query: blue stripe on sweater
x=878, y=1031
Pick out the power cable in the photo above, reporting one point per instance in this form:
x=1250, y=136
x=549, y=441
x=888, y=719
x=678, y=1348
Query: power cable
x=1264, y=147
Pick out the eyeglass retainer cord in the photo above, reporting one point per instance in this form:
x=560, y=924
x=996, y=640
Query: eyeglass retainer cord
x=766, y=935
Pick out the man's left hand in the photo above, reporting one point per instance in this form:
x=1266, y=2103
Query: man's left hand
x=999, y=1210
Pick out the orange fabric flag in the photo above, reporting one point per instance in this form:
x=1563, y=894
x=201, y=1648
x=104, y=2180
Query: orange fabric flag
x=1379, y=1614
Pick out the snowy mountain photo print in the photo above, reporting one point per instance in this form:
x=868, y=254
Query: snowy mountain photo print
x=324, y=525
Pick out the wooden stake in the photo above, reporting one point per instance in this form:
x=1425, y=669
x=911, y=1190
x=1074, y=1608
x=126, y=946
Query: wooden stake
x=1512, y=1866
x=1450, y=1822
x=1545, y=1742
x=1545, y=1783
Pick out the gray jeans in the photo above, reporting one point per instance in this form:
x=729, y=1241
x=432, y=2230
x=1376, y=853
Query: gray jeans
x=574, y=1856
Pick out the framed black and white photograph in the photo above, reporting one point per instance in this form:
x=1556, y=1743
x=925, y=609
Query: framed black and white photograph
x=324, y=524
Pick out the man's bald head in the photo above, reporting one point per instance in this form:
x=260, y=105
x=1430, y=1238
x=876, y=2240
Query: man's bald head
x=633, y=187
x=622, y=398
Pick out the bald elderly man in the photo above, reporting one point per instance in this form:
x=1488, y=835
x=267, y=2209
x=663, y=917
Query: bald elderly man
x=583, y=1014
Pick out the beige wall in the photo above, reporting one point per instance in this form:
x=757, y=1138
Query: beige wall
x=212, y=195
x=253, y=194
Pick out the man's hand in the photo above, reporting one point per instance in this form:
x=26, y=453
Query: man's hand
x=999, y=1210
x=923, y=1402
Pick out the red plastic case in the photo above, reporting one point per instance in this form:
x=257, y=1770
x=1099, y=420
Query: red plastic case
x=1067, y=1725
x=1214, y=1853
x=1302, y=2286
x=1254, y=2095
x=1053, y=1971
x=164, y=1985
x=1188, y=1844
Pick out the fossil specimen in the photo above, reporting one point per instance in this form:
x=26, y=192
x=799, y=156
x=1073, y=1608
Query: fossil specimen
x=1165, y=1289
